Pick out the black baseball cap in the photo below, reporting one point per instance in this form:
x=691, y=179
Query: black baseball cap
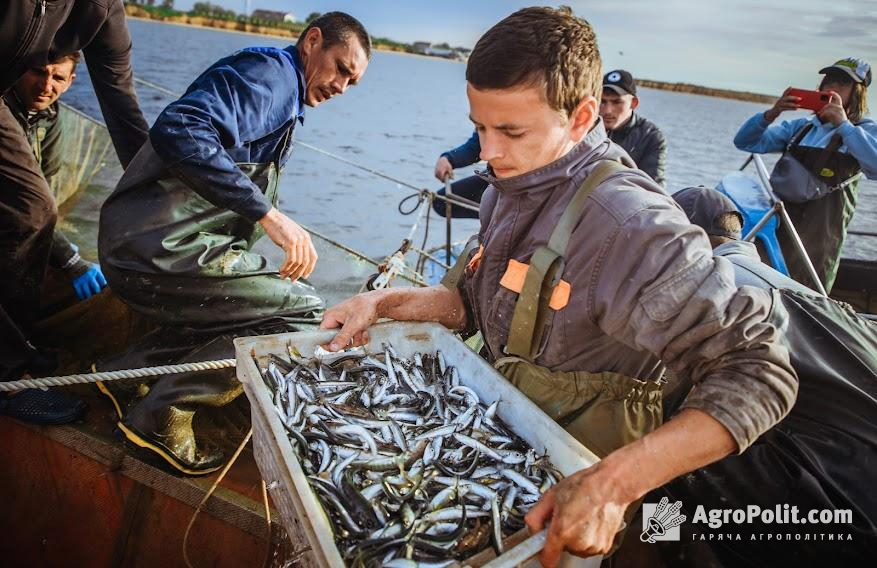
x=620, y=81
x=704, y=206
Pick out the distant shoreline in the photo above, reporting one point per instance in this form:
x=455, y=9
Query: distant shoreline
x=134, y=13
x=706, y=91
x=268, y=32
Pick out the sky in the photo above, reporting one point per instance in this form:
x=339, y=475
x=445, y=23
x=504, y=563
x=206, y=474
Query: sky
x=735, y=44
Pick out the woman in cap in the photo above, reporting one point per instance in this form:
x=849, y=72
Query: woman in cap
x=824, y=157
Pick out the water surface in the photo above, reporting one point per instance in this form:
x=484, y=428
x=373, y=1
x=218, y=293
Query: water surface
x=405, y=112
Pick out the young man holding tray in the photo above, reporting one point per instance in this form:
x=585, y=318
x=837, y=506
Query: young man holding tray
x=586, y=281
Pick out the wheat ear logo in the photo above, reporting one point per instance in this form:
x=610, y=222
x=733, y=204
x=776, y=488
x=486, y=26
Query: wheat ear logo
x=661, y=522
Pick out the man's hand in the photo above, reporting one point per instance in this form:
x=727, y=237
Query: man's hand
x=586, y=511
x=301, y=257
x=587, y=508
x=834, y=111
x=443, y=169
x=784, y=103
x=353, y=316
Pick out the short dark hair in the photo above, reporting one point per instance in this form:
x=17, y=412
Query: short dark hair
x=550, y=47
x=337, y=27
x=74, y=57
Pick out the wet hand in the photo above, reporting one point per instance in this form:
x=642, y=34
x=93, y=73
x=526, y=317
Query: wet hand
x=833, y=112
x=301, y=257
x=354, y=317
x=782, y=104
x=585, y=512
x=443, y=169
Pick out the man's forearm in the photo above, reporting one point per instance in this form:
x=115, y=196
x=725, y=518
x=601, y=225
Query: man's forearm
x=108, y=58
x=437, y=304
x=356, y=315
x=114, y=86
x=692, y=439
x=63, y=255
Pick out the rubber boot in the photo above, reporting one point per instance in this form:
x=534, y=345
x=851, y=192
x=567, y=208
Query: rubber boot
x=163, y=420
x=162, y=346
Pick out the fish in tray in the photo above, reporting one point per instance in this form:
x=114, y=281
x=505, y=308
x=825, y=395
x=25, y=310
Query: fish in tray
x=408, y=463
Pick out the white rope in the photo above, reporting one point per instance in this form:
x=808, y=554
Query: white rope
x=105, y=376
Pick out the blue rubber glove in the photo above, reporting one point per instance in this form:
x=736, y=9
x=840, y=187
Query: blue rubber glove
x=91, y=282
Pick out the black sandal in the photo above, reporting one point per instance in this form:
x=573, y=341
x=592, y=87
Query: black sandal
x=46, y=407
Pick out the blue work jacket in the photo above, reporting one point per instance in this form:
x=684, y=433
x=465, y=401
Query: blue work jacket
x=465, y=154
x=242, y=109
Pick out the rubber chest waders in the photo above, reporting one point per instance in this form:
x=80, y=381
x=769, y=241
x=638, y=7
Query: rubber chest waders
x=820, y=189
x=602, y=410
x=189, y=265
x=186, y=261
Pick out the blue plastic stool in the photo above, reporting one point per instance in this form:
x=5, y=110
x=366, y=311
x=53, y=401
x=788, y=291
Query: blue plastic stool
x=754, y=203
x=433, y=272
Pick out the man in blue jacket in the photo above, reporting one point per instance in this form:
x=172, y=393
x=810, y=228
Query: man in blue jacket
x=471, y=188
x=176, y=235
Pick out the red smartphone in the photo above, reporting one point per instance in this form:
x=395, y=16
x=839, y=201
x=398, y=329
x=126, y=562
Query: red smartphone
x=811, y=100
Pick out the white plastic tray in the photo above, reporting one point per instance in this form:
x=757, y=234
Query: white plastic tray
x=302, y=514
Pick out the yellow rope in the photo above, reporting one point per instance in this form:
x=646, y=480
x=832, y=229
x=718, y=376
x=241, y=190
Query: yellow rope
x=209, y=493
x=267, y=521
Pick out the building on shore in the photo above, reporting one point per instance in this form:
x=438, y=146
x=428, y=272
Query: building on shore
x=440, y=50
x=273, y=16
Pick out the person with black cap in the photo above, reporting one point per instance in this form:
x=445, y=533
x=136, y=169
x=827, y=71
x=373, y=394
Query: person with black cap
x=640, y=138
x=716, y=214
x=824, y=157
x=820, y=455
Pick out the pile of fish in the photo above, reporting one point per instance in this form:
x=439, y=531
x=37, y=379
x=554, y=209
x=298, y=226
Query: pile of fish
x=408, y=463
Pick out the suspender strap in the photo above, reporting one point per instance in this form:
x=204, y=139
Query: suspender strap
x=454, y=276
x=284, y=144
x=531, y=307
x=546, y=269
x=815, y=167
x=796, y=139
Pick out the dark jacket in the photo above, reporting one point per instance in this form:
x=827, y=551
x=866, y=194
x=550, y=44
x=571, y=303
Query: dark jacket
x=43, y=131
x=240, y=110
x=645, y=143
x=645, y=290
x=34, y=32
x=44, y=134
